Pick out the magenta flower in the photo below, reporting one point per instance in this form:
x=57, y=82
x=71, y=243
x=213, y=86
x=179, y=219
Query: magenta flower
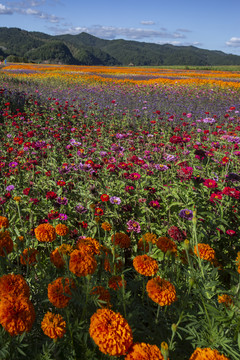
x=133, y=226
x=155, y=204
x=134, y=176
x=62, y=217
x=13, y=164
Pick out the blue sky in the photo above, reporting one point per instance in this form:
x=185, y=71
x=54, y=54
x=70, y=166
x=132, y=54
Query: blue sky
x=207, y=24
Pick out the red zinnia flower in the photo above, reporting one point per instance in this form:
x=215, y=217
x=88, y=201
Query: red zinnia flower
x=209, y=183
x=98, y=211
x=104, y=197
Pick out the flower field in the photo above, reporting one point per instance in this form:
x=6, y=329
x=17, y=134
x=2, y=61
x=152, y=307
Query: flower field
x=119, y=213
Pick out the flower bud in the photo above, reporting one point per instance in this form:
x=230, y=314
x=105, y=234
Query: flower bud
x=164, y=350
x=174, y=328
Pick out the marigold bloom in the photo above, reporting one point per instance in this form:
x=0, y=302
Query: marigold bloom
x=53, y=325
x=207, y=354
x=205, y=252
x=121, y=240
x=225, y=299
x=16, y=314
x=143, y=351
x=29, y=256
x=13, y=285
x=6, y=243
x=161, y=291
x=150, y=238
x=45, y=233
x=82, y=263
x=106, y=226
x=116, y=282
x=238, y=262
x=58, y=291
x=165, y=244
x=62, y=229
x=4, y=222
x=88, y=245
x=103, y=295
x=145, y=265
x=111, y=332
x=56, y=255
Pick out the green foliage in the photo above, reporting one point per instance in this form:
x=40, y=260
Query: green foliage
x=86, y=49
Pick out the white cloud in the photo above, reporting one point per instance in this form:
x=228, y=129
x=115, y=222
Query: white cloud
x=183, y=30
x=39, y=14
x=233, y=42
x=4, y=10
x=147, y=22
x=111, y=32
x=179, y=43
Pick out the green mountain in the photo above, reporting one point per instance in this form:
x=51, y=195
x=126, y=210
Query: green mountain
x=86, y=49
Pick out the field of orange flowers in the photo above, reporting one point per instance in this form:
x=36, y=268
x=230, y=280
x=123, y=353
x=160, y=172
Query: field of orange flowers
x=119, y=213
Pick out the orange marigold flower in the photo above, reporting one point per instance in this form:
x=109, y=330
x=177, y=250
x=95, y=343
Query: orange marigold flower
x=81, y=263
x=13, y=285
x=116, y=282
x=56, y=255
x=111, y=332
x=143, y=245
x=145, y=265
x=88, y=245
x=29, y=257
x=6, y=243
x=61, y=229
x=161, y=291
x=207, y=354
x=53, y=325
x=205, y=252
x=150, y=238
x=238, y=262
x=45, y=233
x=16, y=314
x=103, y=295
x=166, y=245
x=106, y=226
x=143, y=351
x=225, y=299
x=4, y=222
x=59, y=292
x=121, y=240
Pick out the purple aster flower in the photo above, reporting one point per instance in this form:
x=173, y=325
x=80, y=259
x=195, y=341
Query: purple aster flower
x=161, y=167
x=133, y=226
x=186, y=214
x=115, y=200
x=62, y=200
x=10, y=187
x=103, y=153
x=81, y=209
